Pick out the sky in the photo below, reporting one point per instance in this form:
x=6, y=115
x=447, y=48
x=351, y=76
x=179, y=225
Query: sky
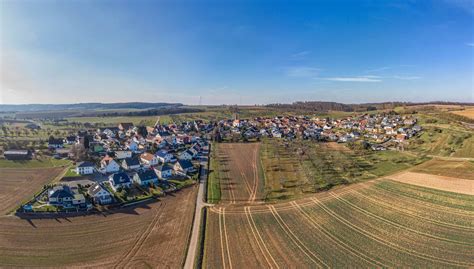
x=236, y=51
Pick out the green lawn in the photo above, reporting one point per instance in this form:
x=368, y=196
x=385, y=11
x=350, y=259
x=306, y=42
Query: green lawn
x=50, y=162
x=213, y=183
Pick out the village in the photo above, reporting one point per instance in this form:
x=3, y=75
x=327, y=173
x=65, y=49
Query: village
x=125, y=164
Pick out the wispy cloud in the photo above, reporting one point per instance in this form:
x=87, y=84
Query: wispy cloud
x=470, y=44
x=300, y=54
x=378, y=69
x=407, y=77
x=355, y=79
x=302, y=71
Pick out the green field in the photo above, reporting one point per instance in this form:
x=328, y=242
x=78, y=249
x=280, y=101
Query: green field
x=43, y=163
x=213, y=180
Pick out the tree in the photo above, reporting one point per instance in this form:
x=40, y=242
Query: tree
x=79, y=152
x=142, y=131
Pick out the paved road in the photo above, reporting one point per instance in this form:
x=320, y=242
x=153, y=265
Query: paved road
x=194, y=241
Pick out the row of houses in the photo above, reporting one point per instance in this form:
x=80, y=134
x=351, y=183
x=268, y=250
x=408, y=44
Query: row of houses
x=373, y=128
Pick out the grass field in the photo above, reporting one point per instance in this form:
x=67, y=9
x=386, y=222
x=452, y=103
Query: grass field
x=448, y=168
x=43, y=163
x=149, y=236
x=19, y=185
x=373, y=224
x=302, y=167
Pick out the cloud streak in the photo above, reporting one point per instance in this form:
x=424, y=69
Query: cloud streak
x=355, y=79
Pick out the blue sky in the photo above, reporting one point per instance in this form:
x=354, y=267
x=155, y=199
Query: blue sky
x=236, y=52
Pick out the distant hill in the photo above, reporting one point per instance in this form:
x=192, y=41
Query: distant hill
x=320, y=106
x=86, y=106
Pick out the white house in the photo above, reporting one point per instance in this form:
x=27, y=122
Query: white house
x=85, y=168
x=122, y=154
x=184, y=166
x=99, y=194
x=132, y=145
x=164, y=156
x=145, y=178
x=164, y=171
x=148, y=159
x=131, y=164
x=186, y=155
x=119, y=180
x=108, y=165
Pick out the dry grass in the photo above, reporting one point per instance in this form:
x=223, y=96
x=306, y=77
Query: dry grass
x=19, y=185
x=444, y=183
x=468, y=112
x=448, y=168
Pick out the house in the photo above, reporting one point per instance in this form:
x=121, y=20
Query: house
x=164, y=171
x=79, y=200
x=164, y=156
x=122, y=154
x=99, y=194
x=119, y=180
x=70, y=139
x=125, y=126
x=131, y=164
x=132, y=145
x=18, y=154
x=145, y=178
x=148, y=159
x=60, y=195
x=55, y=143
x=108, y=165
x=85, y=168
x=186, y=155
x=184, y=166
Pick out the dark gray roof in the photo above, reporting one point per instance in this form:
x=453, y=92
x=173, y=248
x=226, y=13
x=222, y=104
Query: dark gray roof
x=163, y=168
x=120, y=178
x=85, y=164
x=146, y=175
x=94, y=189
x=185, y=164
x=61, y=192
x=132, y=161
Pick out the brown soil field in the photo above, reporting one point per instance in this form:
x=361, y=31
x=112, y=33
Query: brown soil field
x=19, y=185
x=468, y=112
x=458, y=185
x=239, y=171
x=450, y=168
x=151, y=235
x=380, y=223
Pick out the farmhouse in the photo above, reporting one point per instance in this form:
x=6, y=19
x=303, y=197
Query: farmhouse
x=99, y=194
x=145, y=178
x=85, y=168
x=18, y=154
x=164, y=171
x=184, y=166
x=119, y=180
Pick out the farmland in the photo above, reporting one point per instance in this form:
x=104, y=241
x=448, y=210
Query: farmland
x=236, y=170
x=302, y=167
x=375, y=224
x=468, y=112
x=19, y=185
x=447, y=167
x=151, y=235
